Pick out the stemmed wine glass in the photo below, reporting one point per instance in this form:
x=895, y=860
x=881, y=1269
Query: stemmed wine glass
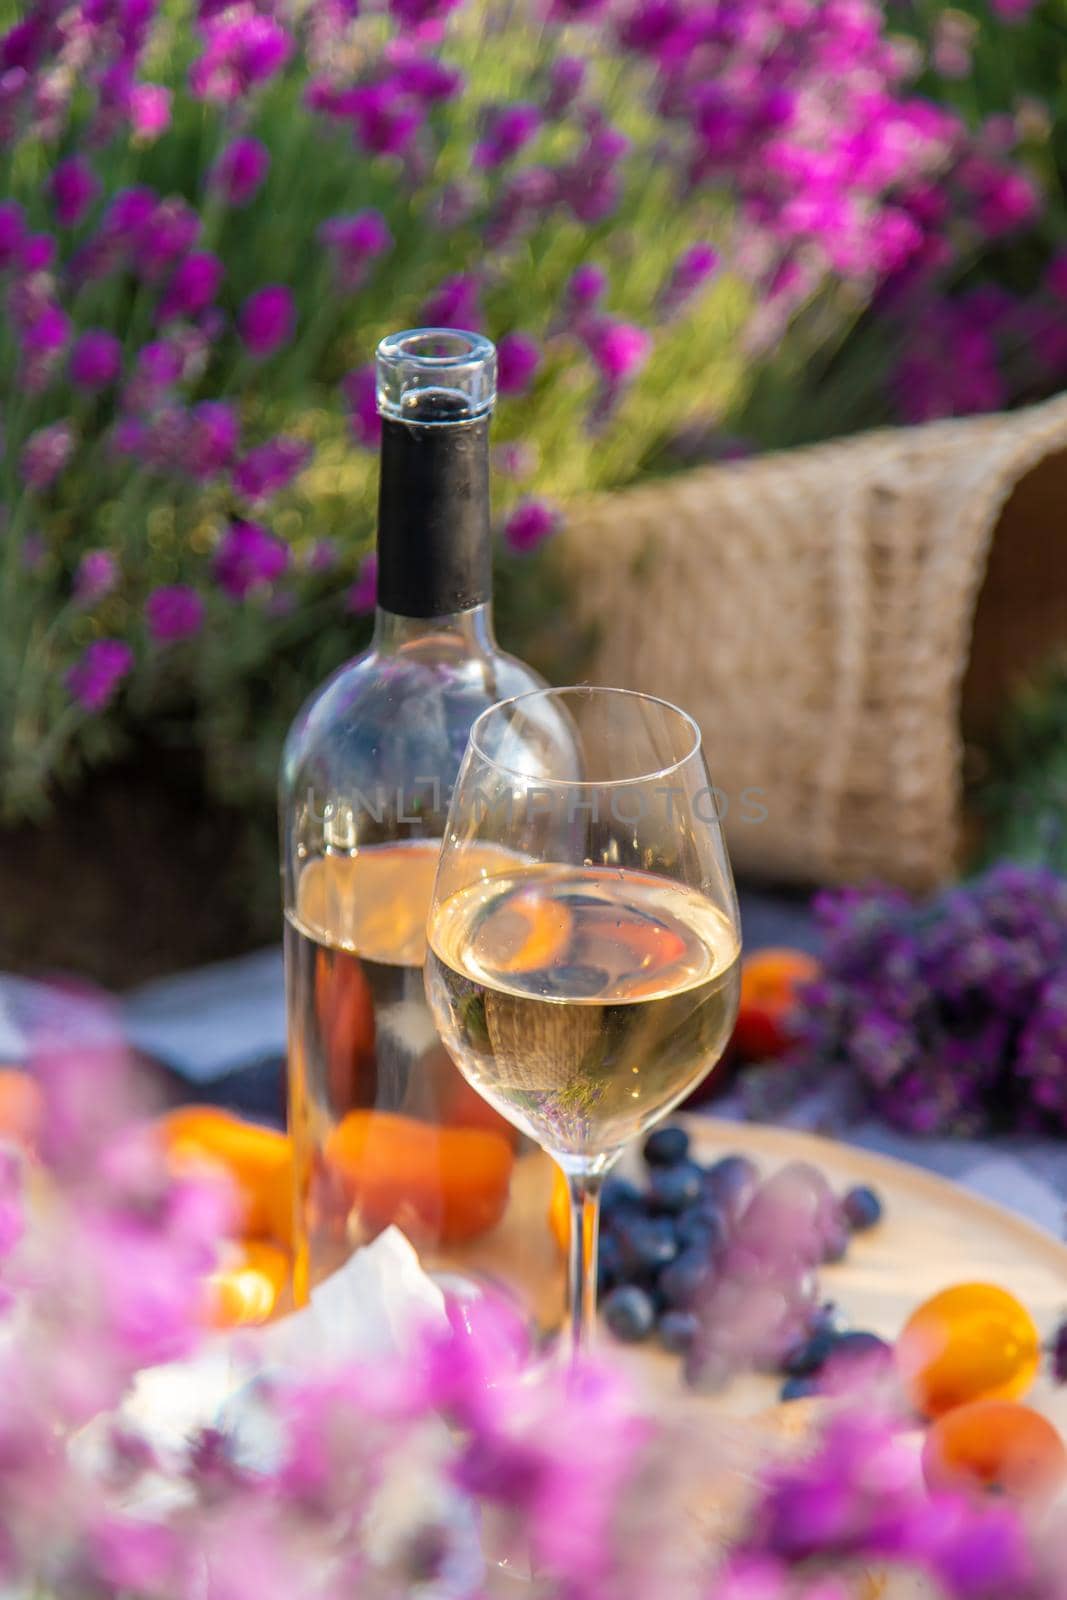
x=584, y=936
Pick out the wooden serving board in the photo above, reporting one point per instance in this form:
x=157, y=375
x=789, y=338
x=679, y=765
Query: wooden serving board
x=934, y=1234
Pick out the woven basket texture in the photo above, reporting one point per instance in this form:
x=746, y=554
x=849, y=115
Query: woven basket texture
x=815, y=611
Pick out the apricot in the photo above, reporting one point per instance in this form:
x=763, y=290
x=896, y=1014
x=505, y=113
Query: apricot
x=21, y=1107
x=970, y=1342
x=247, y=1285
x=344, y=1010
x=258, y=1161
x=770, y=981
x=995, y=1445
x=440, y=1185
x=529, y=933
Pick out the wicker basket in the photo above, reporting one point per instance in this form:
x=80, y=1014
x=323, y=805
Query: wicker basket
x=816, y=611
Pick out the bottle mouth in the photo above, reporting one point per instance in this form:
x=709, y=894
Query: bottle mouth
x=435, y=375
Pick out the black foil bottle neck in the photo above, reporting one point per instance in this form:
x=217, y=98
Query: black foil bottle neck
x=434, y=550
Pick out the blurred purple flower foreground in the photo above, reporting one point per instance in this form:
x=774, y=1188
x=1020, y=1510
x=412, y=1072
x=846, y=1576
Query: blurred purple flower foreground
x=214, y=210
x=953, y=1013
x=411, y=1476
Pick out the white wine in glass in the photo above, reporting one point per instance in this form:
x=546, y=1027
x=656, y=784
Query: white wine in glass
x=585, y=977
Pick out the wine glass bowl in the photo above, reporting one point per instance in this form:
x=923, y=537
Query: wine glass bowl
x=584, y=939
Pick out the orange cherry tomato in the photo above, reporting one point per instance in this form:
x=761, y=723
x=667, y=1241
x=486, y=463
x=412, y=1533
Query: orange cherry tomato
x=770, y=980
x=247, y=1285
x=995, y=1445
x=440, y=1185
x=971, y=1342
x=257, y=1160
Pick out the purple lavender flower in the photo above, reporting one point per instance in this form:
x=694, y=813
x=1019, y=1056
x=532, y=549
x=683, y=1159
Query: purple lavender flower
x=360, y=392
x=508, y=129
x=355, y=242
x=586, y=288
x=575, y=10
x=363, y=594
x=690, y=273
x=427, y=79
x=211, y=439
x=129, y=214
x=37, y=253
x=648, y=26
x=164, y=237
x=149, y=105
x=45, y=454
x=529, y=525
x=414, y=13
x=193, y=287
x=248, y=556
x=270, y=467
x=94, y=680
x=12, y=232
x=173, y=612
x=518, y=358
x=385, y=117
x=323, y=556
x=45, y=329
x=74, y=186
x=97, y=575
x=243, y=49
x=266, y=319
x=454, y=303
x=566, y=78
x=240, y=171
x=590, y=184
x=619, y=349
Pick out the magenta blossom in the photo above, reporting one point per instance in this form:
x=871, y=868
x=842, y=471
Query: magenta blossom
x=508, y=130
x=355, y=242
x=266, y=319
x=243, y=49
x=427, y=79
x=323, y=556
x=414, y=13
x=94, y=679
x=45, y=330
x=164, y=238
x=211, y=441
x=566, y=77
x=576, y=10
x=518, y=358
x=194, y=285
x=529, y=525
x=1056, y=275
x=385, y=117
x=360, y=392
x=37, y=253
x=45, y=454
x=248, y=556
x=1013, y=10
x=97, y=575
x=363, y=594
x=149, y=110
x=454, y=303
x=619, y=349
x=270, y=467
x=240, y=171
x=690, y=273
x=586, y=288
x=174, y=612
x=74, y=187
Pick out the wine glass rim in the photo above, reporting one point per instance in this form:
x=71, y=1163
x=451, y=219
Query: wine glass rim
x=553, y=692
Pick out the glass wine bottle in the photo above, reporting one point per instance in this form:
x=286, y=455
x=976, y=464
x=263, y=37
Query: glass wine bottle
x=385, y=1128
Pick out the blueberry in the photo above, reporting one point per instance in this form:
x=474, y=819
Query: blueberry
x=629, y=1313
x=646, y=1244
x=677, y=1331
x=860, y=1346
x=672, y=1189
x=666, y=1147
x=682, y=1282
x=861, y=1208
x=798, y=1388
x=609, y=1261
x=703, y=1226
x=619, y=1195
x=810, y=1354
x=731, y=1183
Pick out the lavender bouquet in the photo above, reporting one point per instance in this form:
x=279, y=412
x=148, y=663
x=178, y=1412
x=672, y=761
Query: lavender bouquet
x=211, y=214
x=952, y=1013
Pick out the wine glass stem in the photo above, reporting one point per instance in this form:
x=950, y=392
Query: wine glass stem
x=585, y=1228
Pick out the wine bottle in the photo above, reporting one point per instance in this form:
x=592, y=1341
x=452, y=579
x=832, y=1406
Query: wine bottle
x=385, y=1129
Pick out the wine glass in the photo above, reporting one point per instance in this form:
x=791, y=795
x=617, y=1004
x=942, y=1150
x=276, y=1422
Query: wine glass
x=584, y=936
